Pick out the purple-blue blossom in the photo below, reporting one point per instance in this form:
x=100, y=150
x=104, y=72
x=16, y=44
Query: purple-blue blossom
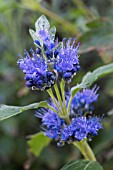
x=79, y=128
x=82, y=101
x=68, y=60
x=51, y=122
x=37, y=73
x=82, y=126
x=49, y=44
x=52, y=60
x=57, y=62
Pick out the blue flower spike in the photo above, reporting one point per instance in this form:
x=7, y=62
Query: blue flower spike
x=51, y=60
x=53, y=63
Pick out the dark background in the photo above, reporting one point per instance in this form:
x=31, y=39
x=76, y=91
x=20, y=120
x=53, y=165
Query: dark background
x=91, y=21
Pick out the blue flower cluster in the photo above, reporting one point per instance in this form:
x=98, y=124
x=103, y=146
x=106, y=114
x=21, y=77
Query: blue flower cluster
x=49, y=45
x=81, y=103
x=51, y=60
x=67, y=64
x=81, y=126
x=36, y=71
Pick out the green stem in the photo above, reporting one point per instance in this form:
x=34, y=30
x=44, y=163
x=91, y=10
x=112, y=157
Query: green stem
x=67, y=120
x=85, y=150
x=63, y=107
x=62, y=87
x=59, y=98
x=53, y=98
x=61, y=110
x=52, y=108
x=69, y=104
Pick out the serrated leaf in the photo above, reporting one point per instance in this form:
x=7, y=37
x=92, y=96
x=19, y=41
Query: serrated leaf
x=91, y=77
x=83, y=165
x=42, y=23
x=38, y=142
x=9, y=111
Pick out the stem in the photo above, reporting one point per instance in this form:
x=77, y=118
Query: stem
x=53, y=109
x=59, y=98
x=67, y=120
x=62, y=87
x=61, y=109
x=85, y=150
x=69, y=104
x=53, y=98
x=71, y=98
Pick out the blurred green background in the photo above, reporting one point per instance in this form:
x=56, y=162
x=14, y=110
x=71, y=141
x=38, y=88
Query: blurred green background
x=91, y=21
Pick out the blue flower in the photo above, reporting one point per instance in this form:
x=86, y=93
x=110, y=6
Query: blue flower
x=47, y=41
x=49, y=44
x=82, y=101
x=49, y=54
x=93, y=125
x=51, y=122
x=68, y=63
x=80, y=127
x=37, y=73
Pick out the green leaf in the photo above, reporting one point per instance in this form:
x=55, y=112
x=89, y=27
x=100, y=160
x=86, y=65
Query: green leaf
x=96, y=23
x=103, y=70
x=83, y=165
x=42, y=23
x=88, y=79
x=110, y=113
x=52, y=32
x=33, y=34
x=9, y=111
x=38, y=142
x=35, y=37
x=91, y=77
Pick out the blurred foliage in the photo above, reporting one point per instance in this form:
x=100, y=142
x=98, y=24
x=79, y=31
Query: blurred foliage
x=91, y=22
